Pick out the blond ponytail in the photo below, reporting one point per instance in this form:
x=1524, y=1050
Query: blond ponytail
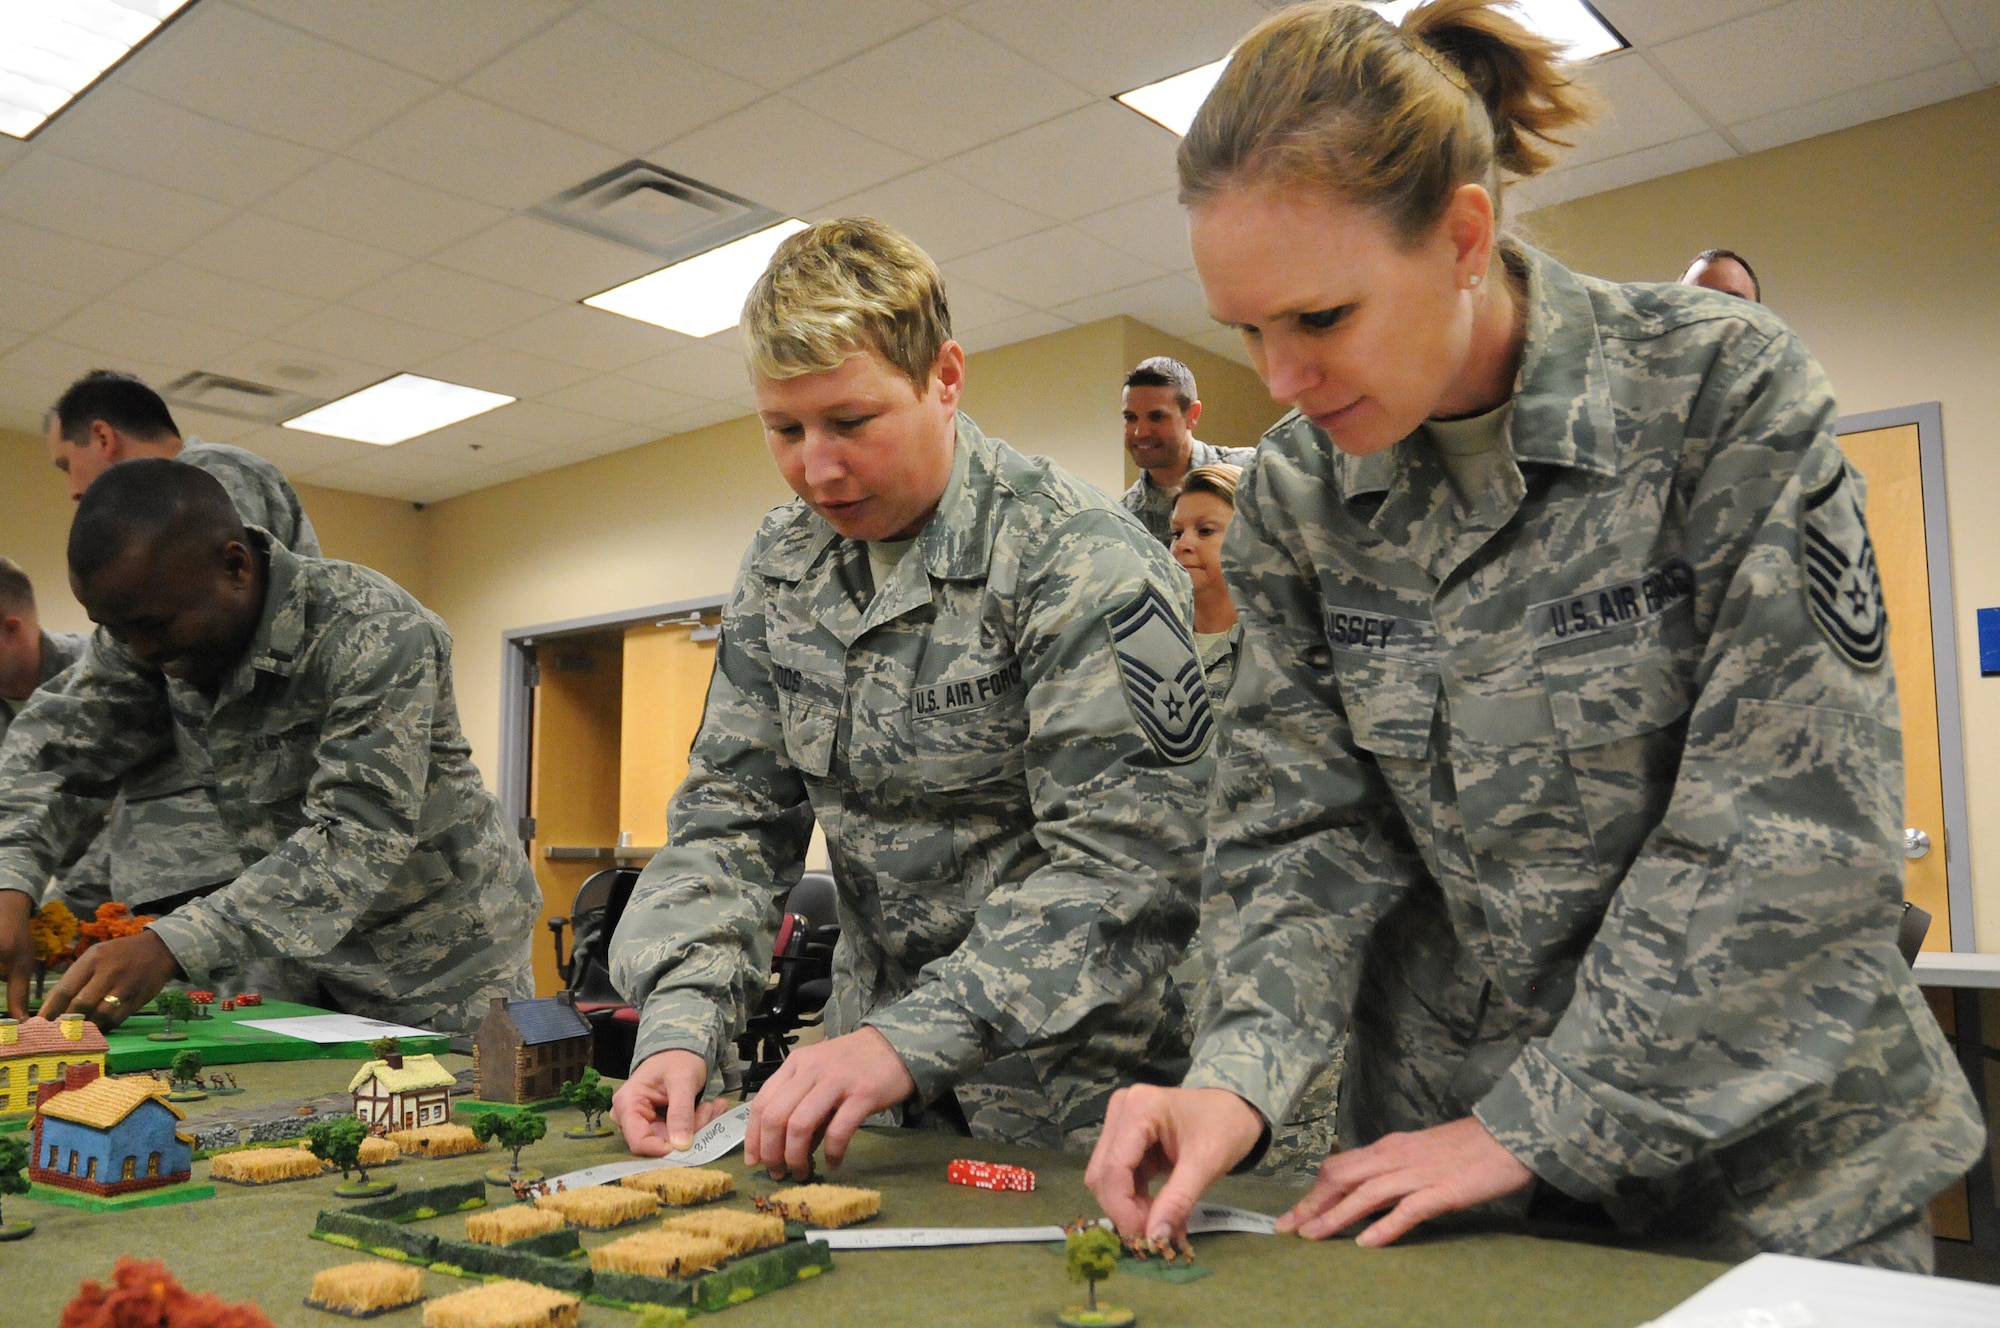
x=1331, y=96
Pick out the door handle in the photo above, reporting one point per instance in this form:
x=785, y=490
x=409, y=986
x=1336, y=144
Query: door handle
x=1916, y=843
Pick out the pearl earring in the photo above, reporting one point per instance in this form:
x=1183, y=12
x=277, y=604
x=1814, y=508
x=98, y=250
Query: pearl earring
x=1473, y=280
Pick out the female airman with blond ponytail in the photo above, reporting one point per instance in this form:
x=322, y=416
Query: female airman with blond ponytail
x=1561, y=773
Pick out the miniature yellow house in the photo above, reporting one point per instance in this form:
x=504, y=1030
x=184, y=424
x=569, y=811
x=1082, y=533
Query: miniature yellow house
x=402, y=1092
x=34, y=1052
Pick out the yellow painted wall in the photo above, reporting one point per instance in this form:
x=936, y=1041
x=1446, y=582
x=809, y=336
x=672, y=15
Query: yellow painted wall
x=1878, y=244
x=35, y=511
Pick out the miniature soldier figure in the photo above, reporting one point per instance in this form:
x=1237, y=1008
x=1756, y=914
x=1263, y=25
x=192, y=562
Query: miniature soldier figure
x=320, y=695
x=977, y=674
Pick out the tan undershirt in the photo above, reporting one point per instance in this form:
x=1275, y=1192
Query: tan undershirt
x=1477, y=453
x=884, y=556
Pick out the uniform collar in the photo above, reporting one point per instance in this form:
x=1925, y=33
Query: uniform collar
x=54, y=658
x=1562, y=394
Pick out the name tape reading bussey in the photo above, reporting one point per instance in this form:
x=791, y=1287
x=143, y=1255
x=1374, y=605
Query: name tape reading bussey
x=1607, y=607
x=943, y=698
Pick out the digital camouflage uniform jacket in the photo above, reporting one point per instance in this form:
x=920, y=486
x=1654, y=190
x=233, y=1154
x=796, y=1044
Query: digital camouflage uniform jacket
x=1012, y=798
x=1588, y=824
x=59, y=651
x=372, y=854
x=164, y=837
x=1154, y=506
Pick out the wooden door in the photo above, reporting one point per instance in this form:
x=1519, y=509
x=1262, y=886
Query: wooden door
x=573, y=779
x=1890, y=462
x=666, y=687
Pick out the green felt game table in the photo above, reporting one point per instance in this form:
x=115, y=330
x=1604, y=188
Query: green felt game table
x=223, y=1038
x=252, y=1244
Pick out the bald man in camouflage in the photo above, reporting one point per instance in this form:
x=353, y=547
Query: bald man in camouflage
x=320, y=695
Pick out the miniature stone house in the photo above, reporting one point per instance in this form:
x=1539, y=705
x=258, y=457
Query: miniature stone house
x=107, y=1136
x=402, y=1092
x=526, y=1050
x=34, y=1052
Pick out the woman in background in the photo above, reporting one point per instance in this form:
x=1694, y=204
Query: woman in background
x=1202, y=509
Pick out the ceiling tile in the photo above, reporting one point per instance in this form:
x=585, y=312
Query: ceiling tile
x=235, y=66
x=86, y=203
x=50, y=258
x=703, y=416
x=1083, y=162
x=1113, y=46
x=369, y=338
x=209, y=427
x=501, y=369
x=1641, y=110
x=783, y=156
x=1027, y=326
x=135, y=334
x=296, y=452
x=973, y=306
x=937, y=90
x=477, y=442
x=180, y=291
x=699, y=370
x=1617, y=172
x=295, y=368
x=1650, y=22
x=941, y=212
x=130, y=132
x=1730, y=72
x=772, y=43
x=449, y=301
x=1976, y=23
x=483, y=151
x=276, y=253
x=1988, y=66
x=595, y=78
x=28, y=306
x=576, y=334
x=358, y=202
x=1892, y=97
x=548, y=259
x=1226, y=342
x=1154, y=229
x=1174, y=304
x=51, y=365
x=440, y=39
x=1054, y=267
x=621, y=399
x=532, y=421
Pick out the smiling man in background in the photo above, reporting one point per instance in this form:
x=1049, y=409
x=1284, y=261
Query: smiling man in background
x=1161, y=408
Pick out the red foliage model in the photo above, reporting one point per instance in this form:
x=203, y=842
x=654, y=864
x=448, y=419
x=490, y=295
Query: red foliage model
x=145, y=1295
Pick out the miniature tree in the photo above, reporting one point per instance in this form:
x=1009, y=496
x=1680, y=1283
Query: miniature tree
x=514, y=1130
x=383, y=1048
x=13, y=1157
x=1093, y=1256
x=173, y=1004
x=186, y=1071
x=201, y=1000
x=591, y=1096
x=112, y=921
x=54, y=930
x=339, y=1141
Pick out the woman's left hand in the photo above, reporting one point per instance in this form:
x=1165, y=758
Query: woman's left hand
x=1416, y=1177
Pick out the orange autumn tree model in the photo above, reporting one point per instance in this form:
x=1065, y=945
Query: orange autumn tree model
x=144, y=1294
x=113, y=921
x=54, y=930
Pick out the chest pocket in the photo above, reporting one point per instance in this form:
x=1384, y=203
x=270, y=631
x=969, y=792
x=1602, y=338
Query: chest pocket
x=811, y=719
x=971, y=731
x=281, y=764
x=1624, y=684
x=1388, y=673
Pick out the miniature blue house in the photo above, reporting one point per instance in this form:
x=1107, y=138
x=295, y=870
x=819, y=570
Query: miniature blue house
x=108, y=1136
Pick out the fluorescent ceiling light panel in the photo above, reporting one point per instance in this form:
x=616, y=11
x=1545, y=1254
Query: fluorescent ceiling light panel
x=699, y=296
x=1572, y=24
x=51, y=50
x=1172, y=102
x=396, y=409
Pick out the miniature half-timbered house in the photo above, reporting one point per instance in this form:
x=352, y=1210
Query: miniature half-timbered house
x=402, y=1092
x=35, y=1051
x=525, y=1051
x=108, y=1136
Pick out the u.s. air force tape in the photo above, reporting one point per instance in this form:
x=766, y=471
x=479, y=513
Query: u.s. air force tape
x=1614, y=604
x=1843, y=584
x=1162, y=675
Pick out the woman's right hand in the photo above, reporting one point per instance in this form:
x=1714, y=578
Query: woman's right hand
x=1190, y=1135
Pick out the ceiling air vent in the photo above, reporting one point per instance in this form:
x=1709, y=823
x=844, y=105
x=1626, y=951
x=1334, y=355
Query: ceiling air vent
x=652, y=209
x=238, y=398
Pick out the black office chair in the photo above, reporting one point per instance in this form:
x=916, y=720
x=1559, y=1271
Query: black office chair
x=801, y=972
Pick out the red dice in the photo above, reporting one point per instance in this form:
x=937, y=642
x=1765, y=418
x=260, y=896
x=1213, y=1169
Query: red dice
x=989, y=1175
